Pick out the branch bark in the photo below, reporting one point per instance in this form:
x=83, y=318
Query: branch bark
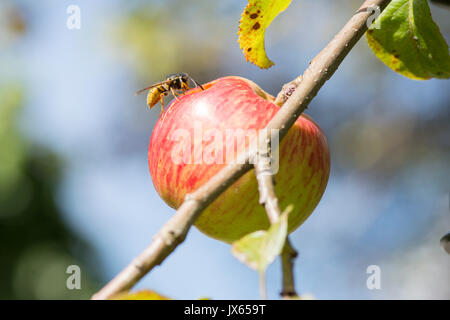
x=288, y=256
x=264, y=176
x=267, y=198
x=174, y=232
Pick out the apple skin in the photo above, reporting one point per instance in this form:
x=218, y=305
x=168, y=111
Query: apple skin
x=237, y=103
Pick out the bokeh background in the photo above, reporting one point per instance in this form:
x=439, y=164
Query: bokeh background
x=74, y=181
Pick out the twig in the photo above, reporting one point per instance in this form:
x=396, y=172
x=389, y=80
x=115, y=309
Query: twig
x=288, y=256
x=267, y=197
x=175, y=230
x=264, y=176
x=269, y=200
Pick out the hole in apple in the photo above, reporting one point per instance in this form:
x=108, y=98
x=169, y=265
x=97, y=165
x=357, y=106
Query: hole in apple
x=205, y=86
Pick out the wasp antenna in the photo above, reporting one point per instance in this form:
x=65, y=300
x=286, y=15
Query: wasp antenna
x=197, y=84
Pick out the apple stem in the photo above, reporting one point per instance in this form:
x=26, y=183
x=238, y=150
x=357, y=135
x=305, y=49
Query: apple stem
x=321, y=68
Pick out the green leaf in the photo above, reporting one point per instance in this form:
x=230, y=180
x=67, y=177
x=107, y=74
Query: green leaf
x=248, y=249
x=140, y=295
x=408, y=41
x=260, y=248
x=256, y=18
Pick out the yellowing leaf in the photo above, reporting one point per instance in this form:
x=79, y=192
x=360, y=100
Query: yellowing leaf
x=408, y=41
x=140, y=295
x=256, y=17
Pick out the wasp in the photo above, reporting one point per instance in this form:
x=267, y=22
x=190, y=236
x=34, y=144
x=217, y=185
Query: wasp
x=174, y=83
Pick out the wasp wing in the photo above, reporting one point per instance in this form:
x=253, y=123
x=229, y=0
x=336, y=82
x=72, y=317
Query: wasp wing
x=152, y=86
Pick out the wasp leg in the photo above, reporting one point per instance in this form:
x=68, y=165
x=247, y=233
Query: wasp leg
x=174, y=93
x=185, y=87
x=162, y=103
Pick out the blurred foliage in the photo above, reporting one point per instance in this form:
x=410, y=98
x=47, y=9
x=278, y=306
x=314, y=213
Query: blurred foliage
x=36, y=246
x=141, y=295
x=386, y=144
x=12, y=154
x=12, y=23
x=160, y=39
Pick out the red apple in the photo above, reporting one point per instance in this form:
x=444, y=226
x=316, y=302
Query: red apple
x=193, y=137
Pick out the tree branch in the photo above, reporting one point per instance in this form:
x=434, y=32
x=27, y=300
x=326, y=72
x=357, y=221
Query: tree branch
x=288, y=256
x=264, y=176
x=322, y=67
x=268, y=198
x=287, y=90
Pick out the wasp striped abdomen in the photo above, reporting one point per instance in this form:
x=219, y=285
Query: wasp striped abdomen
x=156, y=95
